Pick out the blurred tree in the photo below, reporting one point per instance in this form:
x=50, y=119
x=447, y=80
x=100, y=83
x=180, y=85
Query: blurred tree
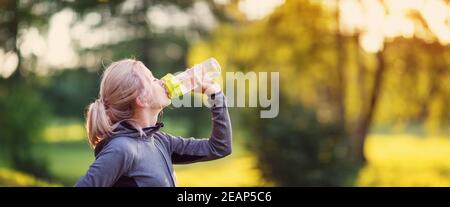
x=296, y=149
x=65, y=95
x=375, y=83
x=23, y=115
x=329, y=71
x=23, y=112
x=340, y=60
x=306, y=144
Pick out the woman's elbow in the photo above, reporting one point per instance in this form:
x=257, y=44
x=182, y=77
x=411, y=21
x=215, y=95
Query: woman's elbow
x=220, y=151
x=227, y=151
x=228, y=148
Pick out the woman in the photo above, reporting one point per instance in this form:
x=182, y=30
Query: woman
x=129, y=146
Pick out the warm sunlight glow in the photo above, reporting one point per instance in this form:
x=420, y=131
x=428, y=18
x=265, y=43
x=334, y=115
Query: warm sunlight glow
x=376, y=20
x=60, y=52
x=437, y=15
x=257, y=9
x=8, y=63
x=351, y=16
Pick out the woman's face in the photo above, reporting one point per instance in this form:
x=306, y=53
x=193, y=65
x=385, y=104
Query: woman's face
x=158, y=95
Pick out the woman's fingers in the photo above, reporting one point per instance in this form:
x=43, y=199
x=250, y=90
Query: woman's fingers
x=205, y=85
x=211, y=87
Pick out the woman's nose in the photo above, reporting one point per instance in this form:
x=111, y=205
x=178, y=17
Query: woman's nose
x=161, y=82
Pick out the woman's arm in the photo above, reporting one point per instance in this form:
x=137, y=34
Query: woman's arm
x=189, y=150
x=113, y=160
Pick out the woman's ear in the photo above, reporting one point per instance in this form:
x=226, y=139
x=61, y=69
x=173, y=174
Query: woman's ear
x=141, y=102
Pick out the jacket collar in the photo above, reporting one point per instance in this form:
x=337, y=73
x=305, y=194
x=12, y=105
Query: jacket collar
x=123, y=128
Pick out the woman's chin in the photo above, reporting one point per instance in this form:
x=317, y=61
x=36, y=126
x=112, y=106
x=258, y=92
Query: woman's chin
x=168, y=102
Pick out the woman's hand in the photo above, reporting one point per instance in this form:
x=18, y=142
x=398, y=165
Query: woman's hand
x=207, y=86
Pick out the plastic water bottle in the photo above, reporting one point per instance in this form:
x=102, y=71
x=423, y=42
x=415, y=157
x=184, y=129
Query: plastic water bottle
x=190, y=79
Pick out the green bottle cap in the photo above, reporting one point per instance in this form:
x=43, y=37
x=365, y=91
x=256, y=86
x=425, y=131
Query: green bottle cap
x=172, y=85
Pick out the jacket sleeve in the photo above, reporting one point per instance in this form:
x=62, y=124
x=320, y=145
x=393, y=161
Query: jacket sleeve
x=190, y=150
x=113, y=161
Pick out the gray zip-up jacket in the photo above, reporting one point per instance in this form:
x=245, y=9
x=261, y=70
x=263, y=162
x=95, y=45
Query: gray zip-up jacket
x=128, y=159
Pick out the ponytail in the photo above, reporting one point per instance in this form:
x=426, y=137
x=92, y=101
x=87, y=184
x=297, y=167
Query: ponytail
x=98, y=124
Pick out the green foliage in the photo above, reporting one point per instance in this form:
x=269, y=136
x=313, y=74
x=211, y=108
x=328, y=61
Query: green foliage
x=331, y=83
x=305, y=145
x=23, y=115
x=70, y=91
x=296, y=149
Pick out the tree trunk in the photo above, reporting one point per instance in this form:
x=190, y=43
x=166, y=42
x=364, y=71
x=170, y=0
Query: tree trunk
x=340, y=82
x=145, y=41
x=362, y=73
x=14, y=31
x=367, y=116
x=438, y=70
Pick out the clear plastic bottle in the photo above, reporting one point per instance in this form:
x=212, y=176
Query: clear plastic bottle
x=186, y=81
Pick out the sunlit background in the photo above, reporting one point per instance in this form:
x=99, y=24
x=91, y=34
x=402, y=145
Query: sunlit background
x=364, y=97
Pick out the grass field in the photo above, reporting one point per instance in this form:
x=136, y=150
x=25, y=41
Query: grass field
x=393, y=160
x=68, y=160
x=406, y=160
x=10, y=177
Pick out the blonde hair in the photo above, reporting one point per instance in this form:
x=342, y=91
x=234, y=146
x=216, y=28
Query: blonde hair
x=122, y=82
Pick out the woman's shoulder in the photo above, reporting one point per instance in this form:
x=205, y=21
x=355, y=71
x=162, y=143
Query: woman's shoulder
x=163, y=138
x=121, y=144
